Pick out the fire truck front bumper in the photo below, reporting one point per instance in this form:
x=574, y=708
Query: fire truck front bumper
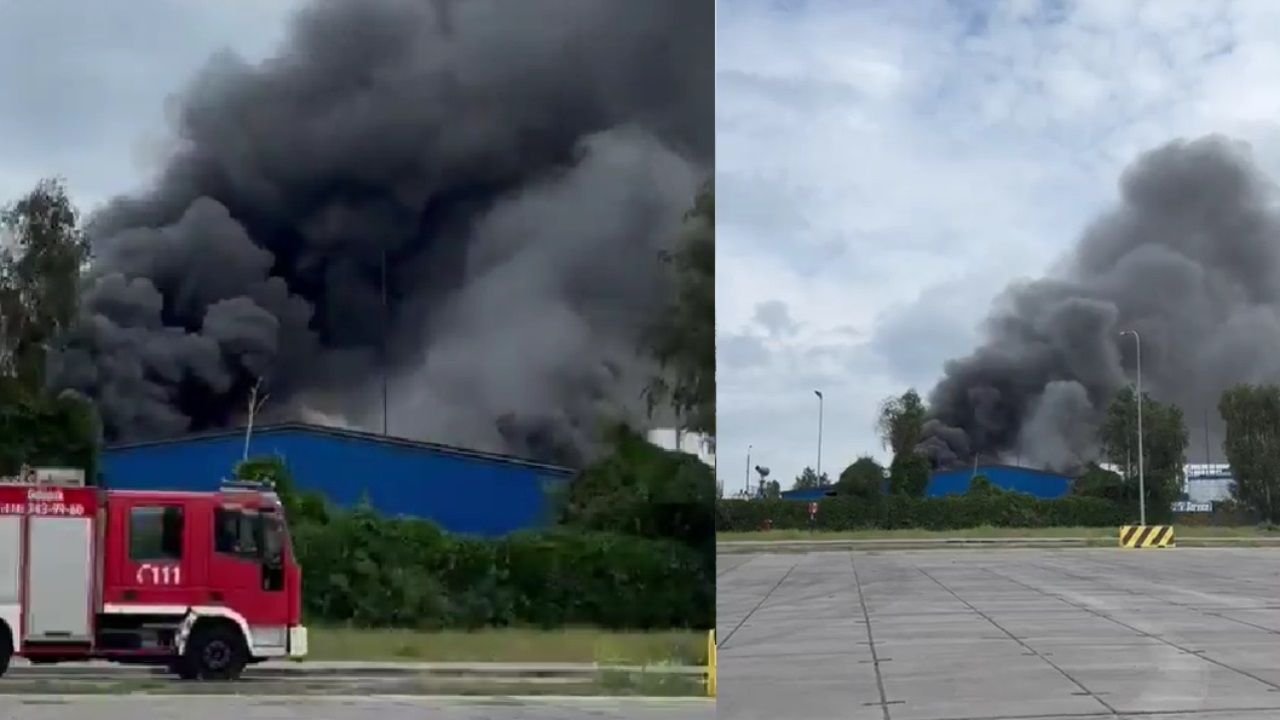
x=298, y=641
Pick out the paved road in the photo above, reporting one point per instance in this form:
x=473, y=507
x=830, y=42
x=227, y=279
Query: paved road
x=134, y=707
x=1185, y=634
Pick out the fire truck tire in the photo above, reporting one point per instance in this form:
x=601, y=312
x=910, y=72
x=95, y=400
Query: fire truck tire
x=215, y=651
x=6, y=648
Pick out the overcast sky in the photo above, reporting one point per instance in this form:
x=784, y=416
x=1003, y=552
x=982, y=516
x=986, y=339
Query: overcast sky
x=885, y=168
x=84, y=84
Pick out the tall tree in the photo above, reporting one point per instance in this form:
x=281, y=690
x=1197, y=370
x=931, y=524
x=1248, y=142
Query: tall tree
x=809, y=479
x=683, y=339
x=864, y=478
x=1252, y=445
x=909, y=474
x=1164, y=447
x=42, y=254
x=901, y=421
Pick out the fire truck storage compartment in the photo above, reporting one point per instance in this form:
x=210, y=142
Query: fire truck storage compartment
x=59, y=603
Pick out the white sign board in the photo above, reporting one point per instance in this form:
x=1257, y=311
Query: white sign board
x=1192, y=507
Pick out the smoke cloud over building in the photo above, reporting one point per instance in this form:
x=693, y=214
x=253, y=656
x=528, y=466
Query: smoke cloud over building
x=1190, y=258
x=511, y=168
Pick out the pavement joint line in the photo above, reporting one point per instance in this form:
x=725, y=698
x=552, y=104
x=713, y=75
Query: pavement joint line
x=1203, y=656
x=871, y=642
x=759, y=605
x=1151, y=596
x=1177, y=714
x=1084, y=691
x=735, y=567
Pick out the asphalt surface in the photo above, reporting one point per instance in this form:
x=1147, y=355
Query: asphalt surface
x=1167, y=634
x=300, y=708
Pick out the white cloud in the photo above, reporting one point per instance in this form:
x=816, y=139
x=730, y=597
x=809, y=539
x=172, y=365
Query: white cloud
x=87, y=86
x=885, y=168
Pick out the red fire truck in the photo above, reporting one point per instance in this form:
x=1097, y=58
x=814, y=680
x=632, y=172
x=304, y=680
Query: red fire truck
x=204, y=583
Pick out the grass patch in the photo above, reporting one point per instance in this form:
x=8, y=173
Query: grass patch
x=1099, y=533
x=510, y=645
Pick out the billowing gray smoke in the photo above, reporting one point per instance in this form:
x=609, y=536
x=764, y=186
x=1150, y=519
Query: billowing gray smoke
x=1190, y=259
x=517, y=164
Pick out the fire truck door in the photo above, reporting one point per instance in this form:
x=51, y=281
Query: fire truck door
x=247, y=569
x=59, y=602
x=155, y=565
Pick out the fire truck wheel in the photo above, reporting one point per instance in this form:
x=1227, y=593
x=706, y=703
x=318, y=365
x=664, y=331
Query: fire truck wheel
x=6, y=649
x=216, y=651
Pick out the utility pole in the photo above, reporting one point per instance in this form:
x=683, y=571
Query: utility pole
x=746, y=487
x=819, y=394
x=1142, y=486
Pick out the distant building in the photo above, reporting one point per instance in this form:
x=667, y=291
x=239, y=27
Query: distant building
x=690, y=442
x=1040, y=483
x=1208, y=483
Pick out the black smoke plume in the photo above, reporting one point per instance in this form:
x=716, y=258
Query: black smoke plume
x=512, y=168
x=1190, y=259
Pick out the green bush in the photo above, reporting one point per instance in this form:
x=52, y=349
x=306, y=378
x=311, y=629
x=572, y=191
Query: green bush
x=951, y=512
x=379, y=572
x=368, y=570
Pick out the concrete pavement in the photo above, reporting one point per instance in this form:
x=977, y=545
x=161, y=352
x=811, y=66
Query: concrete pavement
x=1185, y=633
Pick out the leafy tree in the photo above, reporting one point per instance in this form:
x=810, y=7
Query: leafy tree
x=901, y=422
x=1252, y=445
x=1164, y=447
x=641, y=489
x=299, y=506
x=683, y=339
x=42, y=253
x=808, y=479
x=1099, y=482
x=772, y=489
x=864, y=478
x=909, y=474
x=981, y=485
x=42, y=256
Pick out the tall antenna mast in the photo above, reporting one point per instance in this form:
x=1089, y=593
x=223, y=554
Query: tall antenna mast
x=255, y=404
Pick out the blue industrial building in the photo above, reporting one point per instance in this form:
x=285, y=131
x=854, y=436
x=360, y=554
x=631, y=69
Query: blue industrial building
x=463, y=491
x=1039, y=483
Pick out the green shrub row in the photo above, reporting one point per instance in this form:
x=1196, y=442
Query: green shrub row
x=379, y=572
x=952, y=512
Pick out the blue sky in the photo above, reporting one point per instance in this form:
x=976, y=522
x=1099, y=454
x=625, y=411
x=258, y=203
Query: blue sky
x=885, y=168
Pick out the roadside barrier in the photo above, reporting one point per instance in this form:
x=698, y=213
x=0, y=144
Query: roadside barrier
x=1146, y=536
x=711, y=663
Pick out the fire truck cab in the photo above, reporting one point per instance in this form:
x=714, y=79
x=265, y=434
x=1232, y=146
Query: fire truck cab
x=203, y=583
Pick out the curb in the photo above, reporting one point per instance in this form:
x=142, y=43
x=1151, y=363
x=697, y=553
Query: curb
x=302, y=671
x=755, y=546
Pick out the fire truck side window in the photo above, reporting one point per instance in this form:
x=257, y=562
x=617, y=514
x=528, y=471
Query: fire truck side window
x=237, y=532
x=155, y=533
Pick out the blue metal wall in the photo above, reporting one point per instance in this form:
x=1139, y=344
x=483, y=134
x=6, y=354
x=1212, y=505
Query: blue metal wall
x=947, y=482
x=1033, y=482
x=462, y=492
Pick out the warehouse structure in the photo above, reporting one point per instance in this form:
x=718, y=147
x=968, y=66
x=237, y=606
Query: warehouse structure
x=463, y=491
x=1040, y=483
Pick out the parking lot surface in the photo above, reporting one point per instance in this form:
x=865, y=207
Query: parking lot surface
x=1176, y=634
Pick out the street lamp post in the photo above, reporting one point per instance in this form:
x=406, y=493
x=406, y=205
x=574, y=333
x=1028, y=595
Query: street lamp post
x=1142, y=488
x=746, y=487
x=819, y=394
